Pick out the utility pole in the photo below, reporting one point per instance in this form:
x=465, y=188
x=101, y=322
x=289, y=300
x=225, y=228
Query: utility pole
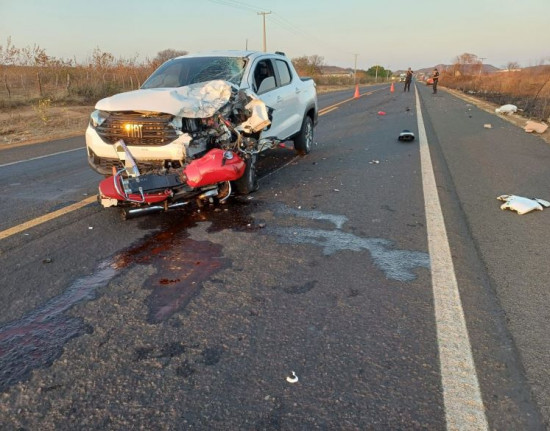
x=264, y=14
x=376, y=75
x=481, y=65
x=355, y=70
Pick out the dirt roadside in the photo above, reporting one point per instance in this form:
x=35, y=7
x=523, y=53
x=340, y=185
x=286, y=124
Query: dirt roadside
x=516, y=119
x=34, y=124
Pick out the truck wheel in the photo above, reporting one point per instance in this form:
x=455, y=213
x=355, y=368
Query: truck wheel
x=304, y=139
x=248, y=183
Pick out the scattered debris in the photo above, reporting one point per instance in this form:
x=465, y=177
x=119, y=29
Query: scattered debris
x=381, y=113
x=488, y=126
x=47, y=260
x=374, y=162
x=336, y=190
x=507, y=109
x=522, y=205
x=293, y=378
x=533, y=126
x=90, y=227
x=406, y=135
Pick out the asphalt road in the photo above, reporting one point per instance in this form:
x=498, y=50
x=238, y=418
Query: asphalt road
x=195, y=319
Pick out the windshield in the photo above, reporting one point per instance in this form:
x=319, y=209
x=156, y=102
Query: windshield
x=185, y=71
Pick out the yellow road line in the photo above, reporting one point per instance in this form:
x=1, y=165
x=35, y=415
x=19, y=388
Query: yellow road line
x=333, y=107
x=50, y=216
x=327, y=110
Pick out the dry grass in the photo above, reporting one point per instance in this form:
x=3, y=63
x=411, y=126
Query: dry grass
x=42, y=122
x=528, y=89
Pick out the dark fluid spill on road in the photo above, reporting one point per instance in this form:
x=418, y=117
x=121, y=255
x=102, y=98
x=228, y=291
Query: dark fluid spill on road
x=183, y=264
x=37, y=339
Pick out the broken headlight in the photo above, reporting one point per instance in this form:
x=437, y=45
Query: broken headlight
x=98, y=117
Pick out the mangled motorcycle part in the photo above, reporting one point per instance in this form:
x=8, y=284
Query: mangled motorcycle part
x=128, y=213
x=126, y=158
x=115, y=189
x=406, y=136
x=521, y=204
x=215, y=167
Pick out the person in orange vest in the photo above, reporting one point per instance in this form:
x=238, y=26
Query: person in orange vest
x=408, y=79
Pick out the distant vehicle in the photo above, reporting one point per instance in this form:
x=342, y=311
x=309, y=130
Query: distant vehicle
x=430, y=81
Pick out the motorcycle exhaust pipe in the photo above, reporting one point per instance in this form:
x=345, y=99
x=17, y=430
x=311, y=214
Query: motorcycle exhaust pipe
x=128, y=213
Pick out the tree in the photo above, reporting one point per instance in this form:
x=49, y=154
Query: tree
x=467, y=58
x=308, y=65
x=511, y=65
x=379, y=71
x=102, y=60
x=9, y=55
x=467, y=64
x=166, y=55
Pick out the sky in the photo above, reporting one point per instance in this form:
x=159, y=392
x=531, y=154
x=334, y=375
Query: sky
x=395, y=34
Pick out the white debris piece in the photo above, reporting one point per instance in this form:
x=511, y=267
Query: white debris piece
x=507, y=109
x=259, y=119
x=522, y=205
x=533, y=126
x=488, y=126
x=293, y=378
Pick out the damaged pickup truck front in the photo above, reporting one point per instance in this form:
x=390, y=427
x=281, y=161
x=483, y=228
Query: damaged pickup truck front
x=194, y=129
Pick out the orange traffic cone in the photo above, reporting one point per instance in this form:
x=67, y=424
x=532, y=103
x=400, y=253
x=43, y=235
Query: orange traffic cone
x=356, y=95
x=391, y=88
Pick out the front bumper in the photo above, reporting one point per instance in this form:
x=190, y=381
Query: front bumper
x=102, y=155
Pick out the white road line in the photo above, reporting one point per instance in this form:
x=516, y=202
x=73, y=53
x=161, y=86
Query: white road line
x=41, y=157
x=461, y=394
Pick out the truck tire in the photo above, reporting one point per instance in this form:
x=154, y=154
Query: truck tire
x=248, y=183
x=304, y=139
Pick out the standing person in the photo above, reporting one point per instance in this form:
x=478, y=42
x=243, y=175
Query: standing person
x=408, y=79
x=435, y=77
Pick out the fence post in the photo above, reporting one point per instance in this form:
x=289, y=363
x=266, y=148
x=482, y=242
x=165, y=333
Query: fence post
x=7, y=86
x=39, y=83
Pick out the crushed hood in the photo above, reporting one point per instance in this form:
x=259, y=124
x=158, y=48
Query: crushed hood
x=200, y=100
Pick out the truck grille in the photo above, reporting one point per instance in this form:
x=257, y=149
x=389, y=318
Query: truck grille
x=137, y=129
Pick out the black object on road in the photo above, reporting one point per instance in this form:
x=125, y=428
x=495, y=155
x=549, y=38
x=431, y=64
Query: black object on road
x=406, y=135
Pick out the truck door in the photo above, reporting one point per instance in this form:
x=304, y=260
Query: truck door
x=267, y=86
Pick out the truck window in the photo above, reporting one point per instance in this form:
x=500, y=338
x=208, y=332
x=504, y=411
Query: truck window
x=264, y=77
x=284, y=72
x=190, y=70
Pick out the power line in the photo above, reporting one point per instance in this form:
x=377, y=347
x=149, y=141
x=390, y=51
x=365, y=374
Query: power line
x=236, y=4
x=283, y=22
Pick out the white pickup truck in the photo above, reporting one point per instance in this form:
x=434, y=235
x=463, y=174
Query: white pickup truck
x=239, y=101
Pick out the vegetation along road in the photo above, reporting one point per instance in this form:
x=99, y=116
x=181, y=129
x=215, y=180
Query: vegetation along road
x=372, y=284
